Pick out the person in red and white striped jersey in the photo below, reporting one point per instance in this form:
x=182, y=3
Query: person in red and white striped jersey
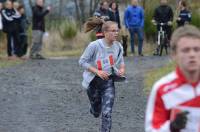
x=180, y=89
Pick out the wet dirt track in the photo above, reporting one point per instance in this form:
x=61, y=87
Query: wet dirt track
x=46, y=96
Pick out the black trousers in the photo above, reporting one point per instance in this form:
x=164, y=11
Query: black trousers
x=23, y=45
x=12, y=43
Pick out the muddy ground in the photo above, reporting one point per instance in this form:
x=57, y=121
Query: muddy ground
x=46, y=96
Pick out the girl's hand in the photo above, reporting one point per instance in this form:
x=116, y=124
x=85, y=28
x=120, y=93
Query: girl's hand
x=102, y=74
x=121, y=71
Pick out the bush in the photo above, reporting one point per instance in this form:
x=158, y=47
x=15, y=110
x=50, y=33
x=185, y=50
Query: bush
x=149, y=28
x=1, y=34
x=54, y=23
x=54, y=42
x=68, y=29
x=195, y=18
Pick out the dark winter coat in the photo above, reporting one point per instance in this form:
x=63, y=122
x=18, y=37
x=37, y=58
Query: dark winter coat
x=185, y=17
x=38, y=18
x=163, y=13
x=10, y=20
x=23, y=25
x=114, y=16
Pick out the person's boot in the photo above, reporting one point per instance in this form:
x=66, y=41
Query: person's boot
x=95, y=114
x=37, y=56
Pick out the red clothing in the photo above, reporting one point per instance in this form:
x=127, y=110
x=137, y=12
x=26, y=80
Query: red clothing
x=168, y=93
x=99, y=35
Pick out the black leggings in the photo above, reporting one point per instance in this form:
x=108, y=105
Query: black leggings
x=101, y=94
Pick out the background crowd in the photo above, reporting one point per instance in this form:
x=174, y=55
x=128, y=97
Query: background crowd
x=134, y=19
x=15, y=24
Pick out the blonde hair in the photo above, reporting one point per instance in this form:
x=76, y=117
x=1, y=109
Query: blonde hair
x=188, y=31
x=106, y=25
x=16, y=4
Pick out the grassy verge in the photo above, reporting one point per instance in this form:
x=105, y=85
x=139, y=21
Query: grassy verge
x=4, y=62
x=68, y=53
x=155, y=74
x=9, y=63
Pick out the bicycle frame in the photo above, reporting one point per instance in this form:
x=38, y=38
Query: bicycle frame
x=161, y=39
x=161, y=33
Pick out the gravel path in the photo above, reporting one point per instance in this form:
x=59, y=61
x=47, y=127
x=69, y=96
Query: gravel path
x=46, y=96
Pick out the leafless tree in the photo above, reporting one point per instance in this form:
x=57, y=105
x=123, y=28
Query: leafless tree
x=60, y=7
x=77, y=9
x=93, y=6
x=27, y=4
x=82, y=10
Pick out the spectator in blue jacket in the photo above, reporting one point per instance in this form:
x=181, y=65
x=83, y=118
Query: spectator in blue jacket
x=134, y=22
x=184, y=15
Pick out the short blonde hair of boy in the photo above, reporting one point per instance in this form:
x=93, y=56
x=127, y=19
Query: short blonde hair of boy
x=187, y=31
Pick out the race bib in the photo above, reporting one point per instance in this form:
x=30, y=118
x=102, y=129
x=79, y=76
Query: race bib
x=105, y=63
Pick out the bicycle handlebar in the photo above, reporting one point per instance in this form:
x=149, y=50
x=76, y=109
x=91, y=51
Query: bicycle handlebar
x=169, y=23
x=161, y=24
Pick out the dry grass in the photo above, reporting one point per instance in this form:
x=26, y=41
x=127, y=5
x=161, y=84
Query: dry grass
x=68, y=53
x=53, y=42
x=4, y=62
x=7, y=63
x=3, y=42
x=54, y=45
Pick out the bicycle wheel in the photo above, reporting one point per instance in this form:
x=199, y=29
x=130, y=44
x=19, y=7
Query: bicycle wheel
x=162, y=44
x=157, y=49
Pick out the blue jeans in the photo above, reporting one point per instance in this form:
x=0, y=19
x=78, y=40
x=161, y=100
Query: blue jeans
x=139, y=32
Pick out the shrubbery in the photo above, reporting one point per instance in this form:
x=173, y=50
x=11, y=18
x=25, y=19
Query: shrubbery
x=68, y=29
x=149, y=28
x=2, y=42
x=196, y=18
x=1, y=36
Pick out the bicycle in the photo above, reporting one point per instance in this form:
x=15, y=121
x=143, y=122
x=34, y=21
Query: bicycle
x=162, y=40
